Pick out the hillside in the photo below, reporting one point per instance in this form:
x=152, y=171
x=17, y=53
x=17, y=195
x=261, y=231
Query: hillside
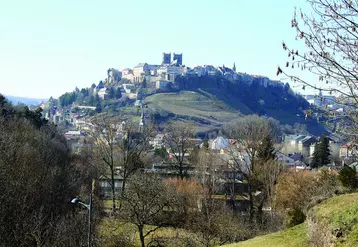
x=205, y=101
x=207, y=109
x=292, y=237
x=201, y=108
x=334, y=222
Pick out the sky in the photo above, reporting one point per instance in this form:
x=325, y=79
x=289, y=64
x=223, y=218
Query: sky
x=48, y=48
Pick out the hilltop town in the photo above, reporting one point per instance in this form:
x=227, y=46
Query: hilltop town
x=173, y=151
x=140, y=92
x=133, y=87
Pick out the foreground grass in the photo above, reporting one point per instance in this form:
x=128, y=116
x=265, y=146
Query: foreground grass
x=340, y=213
x=292, y=237
x=107, y=204
x=112, y=230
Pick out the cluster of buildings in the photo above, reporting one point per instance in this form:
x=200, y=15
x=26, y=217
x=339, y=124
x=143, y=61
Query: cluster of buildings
x=159, y=76
x=295, y=153
x=328, y=102
x=168, y=70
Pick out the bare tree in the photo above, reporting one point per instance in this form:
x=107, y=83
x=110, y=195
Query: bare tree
x=179, y=141
x=330, y=36
x=214, y=224
x=248, y=134
x=120, y=147
x=148, y=201
x=37, y=181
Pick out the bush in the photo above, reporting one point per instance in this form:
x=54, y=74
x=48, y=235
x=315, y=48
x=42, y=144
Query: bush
x=294, y=217
x=348, y=178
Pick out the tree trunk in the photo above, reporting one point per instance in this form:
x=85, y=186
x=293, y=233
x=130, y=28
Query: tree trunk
x=122, y=193
x=123, y=185
x=141, y=235
x=113, y=191
x=259, y=214
x=181, y=173
x=252, y=211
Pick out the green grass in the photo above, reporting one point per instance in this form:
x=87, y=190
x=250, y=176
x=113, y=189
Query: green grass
x=292, y=237
x=107, y=204
x=193, y=104
x=340, y=212
x=109, y=229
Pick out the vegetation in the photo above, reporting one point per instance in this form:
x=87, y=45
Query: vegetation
x=321, y=153
x=334, y=223
x=337, y=217
x=348, y=177
x=329, y=35
x=293, y=237
x=179, y=141
x=299, y=191
x=148, y=201
x=116, y=148
x=253, y=135
x=34, y=161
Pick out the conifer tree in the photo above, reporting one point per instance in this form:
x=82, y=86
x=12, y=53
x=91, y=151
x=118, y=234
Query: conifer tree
x=348, y=177
x=321, y=153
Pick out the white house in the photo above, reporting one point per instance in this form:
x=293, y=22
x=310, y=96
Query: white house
x=102, y=93
x=219, y=143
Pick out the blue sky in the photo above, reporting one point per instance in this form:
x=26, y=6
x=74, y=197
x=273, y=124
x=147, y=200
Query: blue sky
x=50, y=47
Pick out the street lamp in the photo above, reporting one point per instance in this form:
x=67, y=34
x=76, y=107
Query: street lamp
x=89, y=208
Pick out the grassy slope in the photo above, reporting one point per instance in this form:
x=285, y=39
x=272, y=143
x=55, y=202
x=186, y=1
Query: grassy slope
x=206, y=111
x=110, y=228
x=196, y=105
x=340, y=212
x=292, y=237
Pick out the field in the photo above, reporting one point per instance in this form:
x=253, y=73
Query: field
x=199, y=107
x=116, y=233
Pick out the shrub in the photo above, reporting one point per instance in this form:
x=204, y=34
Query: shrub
x=347, y=176
x=294, y=217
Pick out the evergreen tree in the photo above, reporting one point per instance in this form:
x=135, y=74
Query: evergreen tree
x=111, y=93
x=315, y=160
x=347, y=176
x=321, y=153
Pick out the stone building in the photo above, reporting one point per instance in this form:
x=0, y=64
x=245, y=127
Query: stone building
x=167, y=58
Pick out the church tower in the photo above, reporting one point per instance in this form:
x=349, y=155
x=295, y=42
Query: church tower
x=234, y=68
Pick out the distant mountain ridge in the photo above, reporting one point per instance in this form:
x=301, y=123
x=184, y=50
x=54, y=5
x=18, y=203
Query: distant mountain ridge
x=24, y=100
